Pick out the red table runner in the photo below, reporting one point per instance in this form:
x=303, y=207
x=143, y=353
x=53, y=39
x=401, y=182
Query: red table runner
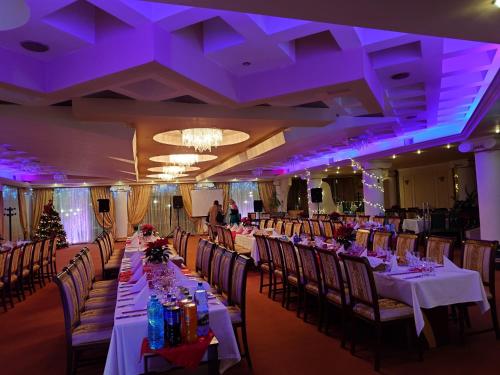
x=184, y=355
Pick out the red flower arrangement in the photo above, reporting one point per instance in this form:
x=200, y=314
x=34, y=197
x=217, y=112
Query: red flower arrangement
x=147, y=230
x=344, y=235
x=157, y=252
x=246, y=221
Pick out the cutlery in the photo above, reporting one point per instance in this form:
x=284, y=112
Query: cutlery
x=412, y=277
x=120, y=306
x=124, y=299
x=130, y=316
x=133, y=311
x=129, y=294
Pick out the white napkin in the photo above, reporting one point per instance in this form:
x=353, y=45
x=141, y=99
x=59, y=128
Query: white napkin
x=394, y=264
x=374, y=262
x=364, y=253
x=341, y=249
x=449, y=265
x=134, y=242
x=141, y=300
x=139, y=284
x=137, y=274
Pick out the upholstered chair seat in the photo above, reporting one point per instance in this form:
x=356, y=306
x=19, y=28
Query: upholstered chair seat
x=108, y=294
x=99, y=303
x=389, y=310
x=107, y=284
x=312, y=288
x=234, y=314
x=86, y=334
x=100, y=316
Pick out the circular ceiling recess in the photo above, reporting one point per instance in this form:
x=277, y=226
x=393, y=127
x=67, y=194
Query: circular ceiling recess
x=33, y=46
x=174, y=137
x=161, y=169
x=401, y=75
x=160, y=176
x=183, y=159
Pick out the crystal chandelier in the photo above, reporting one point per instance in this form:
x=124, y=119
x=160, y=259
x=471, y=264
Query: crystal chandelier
x=167, y=176
x=201, y=139
x=173, y=169
x=184, y=160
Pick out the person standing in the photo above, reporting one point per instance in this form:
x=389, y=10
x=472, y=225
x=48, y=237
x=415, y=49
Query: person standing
x=215, y=214
x=234, y=214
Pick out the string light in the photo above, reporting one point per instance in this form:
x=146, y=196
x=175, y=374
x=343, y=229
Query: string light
x=376, y=205
x=376, y=185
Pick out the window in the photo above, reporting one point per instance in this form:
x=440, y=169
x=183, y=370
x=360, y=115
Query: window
x=244, y=193
x=9, y=194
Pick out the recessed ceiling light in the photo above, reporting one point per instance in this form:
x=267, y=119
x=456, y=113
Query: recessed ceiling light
x=401, y=75
x=32, y=46
x=448, y=146
x=326, y=170
x=246, y=63
x=497, y=128
x=394, y=156
x=337, y=172
x=419, y=152
x=354, y=171
x=496, y=3
x=338, y=167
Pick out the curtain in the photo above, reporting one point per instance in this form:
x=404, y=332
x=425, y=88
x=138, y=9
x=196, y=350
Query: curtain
x=77, y=215
x=40, y=198
x=188, y=206
x=225, y=194
x=266, y=193
x=137, y=204
x=103, y=192
x=23, y=212
x=244, y=193
x=9, y=196
x=162, y=215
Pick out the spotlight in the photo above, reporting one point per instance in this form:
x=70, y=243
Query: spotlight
x=394, y=156
x=497, y=128
x=448, y=146
x=337, y=172
x=419, y=152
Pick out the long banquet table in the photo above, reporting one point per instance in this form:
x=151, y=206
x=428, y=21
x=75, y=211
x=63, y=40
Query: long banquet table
x=124, y=350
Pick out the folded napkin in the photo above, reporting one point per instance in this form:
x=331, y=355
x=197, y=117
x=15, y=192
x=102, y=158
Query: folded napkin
x=394, y=264
x=141, y=300
x=141, y=283
x=374, y=262
x=449, y=265
x=341, y=249
x=364, y=253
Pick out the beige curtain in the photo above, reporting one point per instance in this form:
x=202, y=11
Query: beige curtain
x=266, y=192
x=188, y=206
x=225, y=188
x=103, y=192
x=23, y=212
x=137, y=204
x=40, y=198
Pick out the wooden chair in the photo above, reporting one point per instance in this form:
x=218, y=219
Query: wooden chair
x=228, y=239
x=362, y=219
x=178, y=240
x=12, y=278
x=37, y=262
x=206, y=261
x=110, y=268
x=439, y=248
x=183, y=246
x=26, y=274
x=278, y=267
x=297, y=228
x=479, y=255
x=367, y=306
x=3, y=269
x=199, y=255
x=265, y=263
x=212, y=233
x=311, y=283
x=328, y=229
x=334, y=288
x=237, y=299
x=269, y=224
x=90, y=267
x=226, y=268
x=215, y=268
x=396, y=221
x=381, y=240
x=262, y=223
x=293, y=276
x=306, y=228
x=279, y=226
x=220, y=235
x=362, y=237
x=316, y=229
x=80, y=337
x=379, y=219
x=405, y=242
x=53, y=258
x=288, y=229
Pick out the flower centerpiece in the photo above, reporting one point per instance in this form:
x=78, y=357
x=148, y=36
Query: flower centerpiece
x=147, y=230
x=344, y=235
x=157, y=251
x=246, y=221
x=334, y=216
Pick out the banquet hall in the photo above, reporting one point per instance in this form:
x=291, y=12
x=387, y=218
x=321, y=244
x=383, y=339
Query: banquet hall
x=249, y=187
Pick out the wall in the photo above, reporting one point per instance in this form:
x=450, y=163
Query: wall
x=431, y=183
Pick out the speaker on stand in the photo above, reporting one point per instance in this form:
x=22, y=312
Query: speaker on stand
x=177, y=204
x=103, y=204
x=317, y=196
x=258, y=207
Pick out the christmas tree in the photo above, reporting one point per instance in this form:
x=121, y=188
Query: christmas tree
x=50, y=225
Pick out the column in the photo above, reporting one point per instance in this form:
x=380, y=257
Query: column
x=282, y=186
x=373, y=193
x=487, y=156
x=120, y=197
x=391, y=189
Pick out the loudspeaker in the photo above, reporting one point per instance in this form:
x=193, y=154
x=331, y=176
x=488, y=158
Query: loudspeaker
x=177, y=201
x=257, y=206
x=103, y=205
x=317, y=195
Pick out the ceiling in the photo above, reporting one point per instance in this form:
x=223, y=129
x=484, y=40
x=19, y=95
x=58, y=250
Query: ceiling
x=309, y=92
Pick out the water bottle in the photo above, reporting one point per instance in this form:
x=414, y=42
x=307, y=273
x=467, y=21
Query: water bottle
x=155, y=323
x=202, y=311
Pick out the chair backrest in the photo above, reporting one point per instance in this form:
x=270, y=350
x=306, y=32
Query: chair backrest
x=297, y=228
x=206, y=260
x=178, y=240
x=27, y=255
x=288, y=231
x=276, y=253
x=378, y=219
x=226, y=267
x=439, y=248
x=262, y=223
x=360, y=282
x=220, y=234
x=310, y=266
x=349, y=219
x=199, y=254
x=290, y=258
x=396, y=221
x=102, y=252
x=279, y=226
x=328, y=228
x=263, y=248
x=82, y=271
x=79, y=282
x=381, y=240
x=228, y=238
x=69, y=299
x=362, y=237
x=331, y=274
x=405, y=242
x=239, y=283
x=361, y=219
x=211, y=232
x=316, y=228
x=479, y=255
x=184, y=245
x=88, y=263
x=52, y=247
x=306, y=227
x=38, y=251
x=215, y=269
x=270, y=223
x=265, y=215
x=15, y=259
x=252, y=215
x=4, y=256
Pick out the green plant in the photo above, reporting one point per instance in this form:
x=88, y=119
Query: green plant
x=275, y=202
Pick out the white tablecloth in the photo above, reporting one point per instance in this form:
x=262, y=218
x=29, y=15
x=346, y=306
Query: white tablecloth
x=124, y=351
x=248, y=242
x=450, y=285
x=415, y=225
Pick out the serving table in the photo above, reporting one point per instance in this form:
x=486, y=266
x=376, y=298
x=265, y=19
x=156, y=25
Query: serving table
x=130, y=329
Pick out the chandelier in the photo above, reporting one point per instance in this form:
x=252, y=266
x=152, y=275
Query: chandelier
x=173, y=169
x=184, y=160
x=201, y=139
